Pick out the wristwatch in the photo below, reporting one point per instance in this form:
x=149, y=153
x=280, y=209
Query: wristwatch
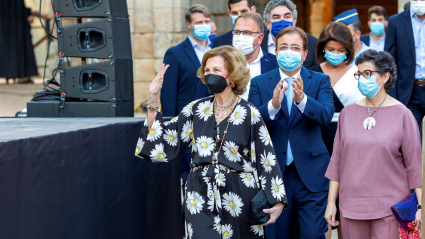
x=419, y=206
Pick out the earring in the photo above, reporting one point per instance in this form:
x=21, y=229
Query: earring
x=233, y=85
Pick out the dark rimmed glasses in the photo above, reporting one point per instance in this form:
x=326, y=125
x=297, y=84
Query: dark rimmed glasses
x=366, y=74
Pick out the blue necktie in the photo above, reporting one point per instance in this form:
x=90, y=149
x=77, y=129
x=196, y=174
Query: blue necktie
x=289, y=103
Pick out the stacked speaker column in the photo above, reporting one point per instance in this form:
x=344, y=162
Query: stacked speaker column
x=99, y=89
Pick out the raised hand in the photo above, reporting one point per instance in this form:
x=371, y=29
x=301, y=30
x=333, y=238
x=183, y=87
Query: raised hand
x=274, y=212
x=298, y=89
x=278, y=94
x=156, y=85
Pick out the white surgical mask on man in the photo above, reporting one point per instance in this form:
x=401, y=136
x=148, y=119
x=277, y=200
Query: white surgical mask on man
x=244, y=43
x=418, y=7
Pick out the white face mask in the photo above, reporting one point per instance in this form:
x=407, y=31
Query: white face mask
x=244, y=43
x=418, y=7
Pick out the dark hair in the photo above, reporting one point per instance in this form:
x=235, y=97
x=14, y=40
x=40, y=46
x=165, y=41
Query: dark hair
x=250, y=2
x=292, y=30
x=335, y=31
x=254, y=16
x=407, y=5
x=378, y=10
x=357, y=26
x=383, y=62
x=196, y=8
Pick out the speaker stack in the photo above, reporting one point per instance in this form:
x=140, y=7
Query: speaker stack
x=101, y=89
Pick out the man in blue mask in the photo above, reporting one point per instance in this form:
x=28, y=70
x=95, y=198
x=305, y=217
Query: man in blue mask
x=180, y=80
x=351, y=19
x=377, y=24
x=294, y=103
x=277, y=15
x=236, y=8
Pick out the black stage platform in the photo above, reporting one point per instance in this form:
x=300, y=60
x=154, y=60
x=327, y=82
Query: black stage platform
x=79, y=178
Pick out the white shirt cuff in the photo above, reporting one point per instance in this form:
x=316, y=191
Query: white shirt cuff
x=302, y=104
x=272, y=111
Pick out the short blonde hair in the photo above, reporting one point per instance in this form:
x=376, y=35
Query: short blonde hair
x=235, y=64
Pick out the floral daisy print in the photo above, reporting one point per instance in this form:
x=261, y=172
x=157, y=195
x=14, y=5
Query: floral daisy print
x=231, y=152
x=194, y=202
x=218, y=196
x=238, y=115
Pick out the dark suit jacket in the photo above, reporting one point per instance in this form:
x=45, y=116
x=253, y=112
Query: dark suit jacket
x=399, y=42
x=310, y=61
x=311, y=157
x=225, y=39
x=365, y=39
x=180, y=80
x=268, y=63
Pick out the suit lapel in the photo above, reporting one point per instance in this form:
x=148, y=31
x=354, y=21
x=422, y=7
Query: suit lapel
x=265, y=41
x=265, y=63
x=274, y=79
x=306, y=78
x=407, y=20
x=188, y=48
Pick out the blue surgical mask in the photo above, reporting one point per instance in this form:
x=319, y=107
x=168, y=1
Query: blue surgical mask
x=212, y=36
x=335, y=59
x=278, y=26
x=289, y=60
x=234, y=19
x=368, y=86
x=202, y=32
x=377, y=28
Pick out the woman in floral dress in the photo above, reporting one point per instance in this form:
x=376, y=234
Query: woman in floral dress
x=232, y=153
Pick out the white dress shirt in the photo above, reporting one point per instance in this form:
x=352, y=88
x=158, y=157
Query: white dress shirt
x=254, y=70
x=377, y=45
x=271, y=46
x=198, y=50
x=301, y=105
x=364, y=48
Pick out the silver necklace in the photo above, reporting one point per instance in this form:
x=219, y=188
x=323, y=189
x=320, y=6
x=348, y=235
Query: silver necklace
x=370, y=122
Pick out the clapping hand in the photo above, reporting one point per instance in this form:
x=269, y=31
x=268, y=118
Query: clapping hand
x=156, y=85
x=298, y=89
x=278, y=94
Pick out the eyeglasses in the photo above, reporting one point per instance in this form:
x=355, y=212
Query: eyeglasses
x=293, y=48
x=366, y=74
x=245, y=33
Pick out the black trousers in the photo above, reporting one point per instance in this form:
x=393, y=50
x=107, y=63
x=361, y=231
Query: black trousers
x=417, y=104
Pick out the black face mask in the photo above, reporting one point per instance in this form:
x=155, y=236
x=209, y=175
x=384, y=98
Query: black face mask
x=215, y=83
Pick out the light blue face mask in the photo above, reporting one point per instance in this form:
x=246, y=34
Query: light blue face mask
x=377, y=28
x=289, y=60
x=202, y=32
x=234, y=19
x=368, y=86
x=335, y=59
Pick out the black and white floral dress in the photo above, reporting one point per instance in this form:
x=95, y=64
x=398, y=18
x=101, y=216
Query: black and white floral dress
x=217, y=202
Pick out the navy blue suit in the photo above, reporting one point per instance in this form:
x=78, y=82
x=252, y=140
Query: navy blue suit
x=179, y=87
x=223, y=40
x=399, y=42
x=305, y=183
x=268, y=63
x=365, y=39
x=180, y=80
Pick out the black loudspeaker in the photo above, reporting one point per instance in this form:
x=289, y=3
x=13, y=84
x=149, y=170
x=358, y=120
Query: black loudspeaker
x=91, y=8
x=80, y=109
x=104, y=81
x=105, y=38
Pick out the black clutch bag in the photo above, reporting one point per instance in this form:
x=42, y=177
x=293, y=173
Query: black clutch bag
x=258, y=203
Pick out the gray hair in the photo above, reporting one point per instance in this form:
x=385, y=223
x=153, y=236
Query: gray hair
x=254, y=16
x=276, y=3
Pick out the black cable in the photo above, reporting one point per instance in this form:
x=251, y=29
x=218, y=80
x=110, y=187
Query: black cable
x=48, y=92
x=42, y=25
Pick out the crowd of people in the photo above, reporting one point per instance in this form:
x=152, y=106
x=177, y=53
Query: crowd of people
x=326, y=130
